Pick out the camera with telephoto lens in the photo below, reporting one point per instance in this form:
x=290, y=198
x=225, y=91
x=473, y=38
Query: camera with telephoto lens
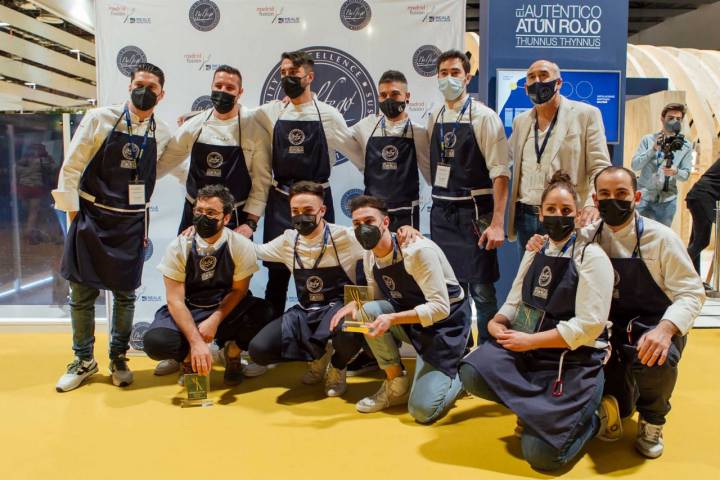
x=669, y=145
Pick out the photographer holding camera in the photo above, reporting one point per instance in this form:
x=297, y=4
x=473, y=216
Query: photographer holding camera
x=663, y=159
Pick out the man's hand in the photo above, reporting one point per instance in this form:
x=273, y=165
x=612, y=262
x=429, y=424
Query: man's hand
x=670, y=172
x=653, y=347
x=659, y=138
x=515, y=341
x=493, y=237
x=348, y=309
x=189, y=231
x=536, y=243
x=587, y=216
x=496, y=328
x=72, y=215
x=244, y=230
x=208, y=328
x=381, y=325
x=201, y=358
x=407, y=235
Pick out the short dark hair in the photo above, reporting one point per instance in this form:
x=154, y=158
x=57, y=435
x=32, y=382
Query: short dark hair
x=673, y=107
x=368, y=201
x=218, y=191
x=392, y=76
x=560, y=179
x=308, y=187
x=149, y=68
x=299, y=58
x=228, y=69
x=449, y=55
x=613, y=168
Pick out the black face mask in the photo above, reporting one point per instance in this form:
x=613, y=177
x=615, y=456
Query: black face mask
x=143, y=98
x=558, y=227
x=304, y=223
x=615, y=212
x=292, y=86
x=205, y=226
x=223, y=101
x=392, y=108
x=368, y=235
x=541, y=92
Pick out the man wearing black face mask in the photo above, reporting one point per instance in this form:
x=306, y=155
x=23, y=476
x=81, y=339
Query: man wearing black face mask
x=226, y=147
x=393, y=146
x=105, y=184
x=306, y=133
x=206, y=278
x=556, y=134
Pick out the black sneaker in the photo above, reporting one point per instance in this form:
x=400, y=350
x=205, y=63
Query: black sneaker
x=122, y=376
x=233, y=369
x=362, y=364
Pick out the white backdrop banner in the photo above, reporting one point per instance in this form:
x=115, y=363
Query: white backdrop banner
x=351, y=41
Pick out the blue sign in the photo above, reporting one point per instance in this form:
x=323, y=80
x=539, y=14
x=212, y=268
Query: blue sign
x=598, y=88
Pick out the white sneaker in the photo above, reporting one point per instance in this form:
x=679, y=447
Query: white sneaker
x=392, y=392
x=316, y=369
x=610, y=422
x=252, y=369
x=649, y=440
x=335, y=381
x=76, y=374
x=166, y=367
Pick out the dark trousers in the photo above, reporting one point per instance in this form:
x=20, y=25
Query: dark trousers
x=702, y=220
x=266, y=347
x=241, y=325
x=527, y=224
x=277, y=288
x=648, y=389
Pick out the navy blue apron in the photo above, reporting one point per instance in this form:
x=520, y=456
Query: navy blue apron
x=217, y=164
x=105, y=242
x=391, y=173
x=306, y=327
x=299, y=152
x=547, y=388
x=441, y=344
x=466, y=200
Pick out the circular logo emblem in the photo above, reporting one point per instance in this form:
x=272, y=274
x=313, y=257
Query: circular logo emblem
x=148, y=251
x=130, y=151
x=545, y=277
x=425, y=60
x=389, y=282
x=201, y=103
x=345, y=201
x=214, y=160
x=390, y=153
x=314, y=284
x=128, y=58
x=296, y=136
x=355, y=14
x=340, y=80
x=450, y=139
x=137, y=334
x=207, y=263
x=204, y=15
x=617, y=277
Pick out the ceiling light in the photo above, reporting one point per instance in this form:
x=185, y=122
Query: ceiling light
x=16, y=57
x=28, y=6
x=31, y=85
x=4, y=24
x=51, y=19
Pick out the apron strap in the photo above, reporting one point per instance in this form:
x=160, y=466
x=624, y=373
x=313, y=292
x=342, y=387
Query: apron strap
x=326, y=234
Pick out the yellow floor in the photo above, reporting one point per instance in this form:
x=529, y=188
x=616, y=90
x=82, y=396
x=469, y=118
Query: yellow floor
x=262, y=430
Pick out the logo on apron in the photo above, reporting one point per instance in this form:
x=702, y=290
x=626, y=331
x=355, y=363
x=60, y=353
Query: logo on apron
x=390, y=284
x=214, y=161
x=204, y=15
x=129, y=152
x=207, y=265
x=390, y=154
x=355, y=14
x=543, y=281
x=314, y=285
x=450, y=139
x=296, y=137
x=616, y=283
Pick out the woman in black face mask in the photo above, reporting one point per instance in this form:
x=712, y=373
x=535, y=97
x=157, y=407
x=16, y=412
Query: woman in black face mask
x=545, y=359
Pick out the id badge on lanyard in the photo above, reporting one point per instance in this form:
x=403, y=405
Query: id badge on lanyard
x=136, y=192
x=447, y=147
x=136, y=187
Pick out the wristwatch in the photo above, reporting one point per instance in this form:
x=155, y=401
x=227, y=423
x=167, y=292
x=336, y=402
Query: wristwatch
x=252, y=224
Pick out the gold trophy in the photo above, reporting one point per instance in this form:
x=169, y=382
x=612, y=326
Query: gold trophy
x=361, y=322
x=197, y=387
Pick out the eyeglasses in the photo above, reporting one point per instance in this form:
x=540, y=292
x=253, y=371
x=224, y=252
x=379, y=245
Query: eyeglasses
x=209, y=212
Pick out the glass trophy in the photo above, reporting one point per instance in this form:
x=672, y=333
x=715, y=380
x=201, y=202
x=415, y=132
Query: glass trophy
x=361, y=322
x=528, y=319
x=197, y=387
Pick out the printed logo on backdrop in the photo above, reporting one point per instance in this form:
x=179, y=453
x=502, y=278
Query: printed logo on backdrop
x=148, y=250
x=201, y=103
x=421, y=109
x=554, y=25
x=202, y=61
x=355, y=14
x=345, y=201
x=137, y=335
x=340, y=81
x=128, y=58
x=128, y=14
x=276, y=15
x=425, y=60
x=204, y=15
x=140, y=295
x=426, y=13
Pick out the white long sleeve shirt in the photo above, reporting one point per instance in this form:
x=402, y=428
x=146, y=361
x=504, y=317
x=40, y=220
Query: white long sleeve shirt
x=338, y=135
x=430, y=269
x=349, y=251
x=668, y=262
x=489, y=133
x=592, y=298
x=213, y=131
x=94, y=128
x=366, y=128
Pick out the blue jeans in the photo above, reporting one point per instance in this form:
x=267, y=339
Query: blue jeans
x=662, y=212
x=483, y=296
x=527, y=224
x=536, y=451
x=432, y=391
x=82, y=315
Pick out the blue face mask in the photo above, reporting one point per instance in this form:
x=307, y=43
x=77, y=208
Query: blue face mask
x=451, y=87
